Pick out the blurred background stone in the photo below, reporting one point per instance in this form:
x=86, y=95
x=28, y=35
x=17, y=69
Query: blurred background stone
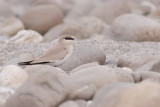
x=132, y=27
x=81, y=28
x=110, y=9
x=5, y=10
x=20, y=6
x=26, y=36
x=135, y=62
x=42, y=18
x=11, y=26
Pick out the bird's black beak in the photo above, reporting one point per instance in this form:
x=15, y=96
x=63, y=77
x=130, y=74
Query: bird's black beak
x=73, y=38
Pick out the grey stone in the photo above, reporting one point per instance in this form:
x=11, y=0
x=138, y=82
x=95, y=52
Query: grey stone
x=146, y=75
x=5, y=10
x=82, y=55
x=12, y=75
x=5, y=93
x=84, y=66
x=128, y=95
x=34, y=18
x=109, y=95
x=135, y=62
x=153, y=65
x=45, y=88
x=81, y=28
x=100, y=76
x=132, y=27
x=111, y=9
x=69, y=104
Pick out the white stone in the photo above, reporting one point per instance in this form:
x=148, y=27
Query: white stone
x=12, y=75
x=5, y=93
x=11, y=26
x=26, y=36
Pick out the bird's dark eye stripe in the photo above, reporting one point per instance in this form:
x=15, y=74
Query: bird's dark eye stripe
x=69, y=38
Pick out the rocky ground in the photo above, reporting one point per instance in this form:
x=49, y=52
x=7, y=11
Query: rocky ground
x=115, y=60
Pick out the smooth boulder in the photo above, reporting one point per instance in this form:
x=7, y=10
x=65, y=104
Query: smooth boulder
x=44, y=88
x=133, y=27
x=83, y=54
x=42, y=18
x=81, y=28
x=12, y=75
x=128, y=95
x=100, y=76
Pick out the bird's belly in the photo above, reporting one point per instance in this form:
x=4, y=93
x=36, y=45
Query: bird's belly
x=60, y=62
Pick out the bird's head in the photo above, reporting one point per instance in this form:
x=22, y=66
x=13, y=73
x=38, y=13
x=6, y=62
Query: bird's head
x=67, y=40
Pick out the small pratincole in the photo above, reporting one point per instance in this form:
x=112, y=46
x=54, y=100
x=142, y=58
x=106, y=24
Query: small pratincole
x=57, y=54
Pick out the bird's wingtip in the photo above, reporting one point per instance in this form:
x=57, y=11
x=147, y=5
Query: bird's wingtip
x=25, y=63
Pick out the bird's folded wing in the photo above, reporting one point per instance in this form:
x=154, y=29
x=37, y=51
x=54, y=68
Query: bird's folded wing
x=52, y=56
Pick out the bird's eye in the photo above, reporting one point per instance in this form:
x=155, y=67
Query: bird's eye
x=68, y=38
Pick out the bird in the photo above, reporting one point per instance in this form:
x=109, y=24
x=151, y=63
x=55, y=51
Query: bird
x=57, y=54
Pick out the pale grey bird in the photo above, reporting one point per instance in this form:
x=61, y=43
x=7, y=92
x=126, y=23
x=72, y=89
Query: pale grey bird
x=56, y=54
